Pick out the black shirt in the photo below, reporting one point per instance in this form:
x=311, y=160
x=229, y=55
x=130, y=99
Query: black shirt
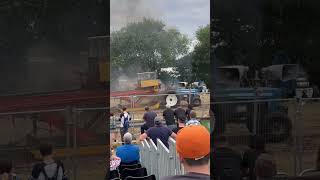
x=188, y=113
x=159, y=132
x=248, y=162
x=226, y=164
x=179, y=112
x=175, y=130
x=148, y=117
x=168, y=115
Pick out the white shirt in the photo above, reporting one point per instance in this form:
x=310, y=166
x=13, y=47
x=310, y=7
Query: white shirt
x=125, y=114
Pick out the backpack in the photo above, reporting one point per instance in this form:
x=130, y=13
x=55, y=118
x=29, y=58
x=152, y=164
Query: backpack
x=126, y=121
x=40, y=168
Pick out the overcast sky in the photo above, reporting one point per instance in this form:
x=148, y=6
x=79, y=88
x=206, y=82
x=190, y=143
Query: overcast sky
x=185, y=15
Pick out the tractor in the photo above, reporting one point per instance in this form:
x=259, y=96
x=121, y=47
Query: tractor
x=291, y=79
x=183, y=91
x=260, y=116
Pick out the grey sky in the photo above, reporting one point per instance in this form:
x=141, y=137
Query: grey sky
x=185, y=15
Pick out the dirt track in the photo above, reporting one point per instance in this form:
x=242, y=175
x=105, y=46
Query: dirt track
x=308, y=126
x=202, y=111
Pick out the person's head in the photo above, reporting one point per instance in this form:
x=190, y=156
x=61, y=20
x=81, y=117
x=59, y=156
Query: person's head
x=168, y=106
x=190, y=106
x=157, y=121
x=5, y=166
x=183, y=104
x=193, y=115
x=265, y=166
x=127, y=138
x=124, y=109
x=111, y=114
x=146, y=108
x=46, y=150
x=193, y=148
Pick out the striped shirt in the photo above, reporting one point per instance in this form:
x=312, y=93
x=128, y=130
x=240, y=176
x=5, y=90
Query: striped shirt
x=114, y=163
x=193, y=122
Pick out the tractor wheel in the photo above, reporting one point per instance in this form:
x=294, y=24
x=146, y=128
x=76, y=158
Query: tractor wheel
x=196, y=102
x=277, y=128
x=172, y=99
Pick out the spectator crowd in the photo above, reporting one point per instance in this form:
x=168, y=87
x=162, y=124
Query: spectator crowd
x=193, y=149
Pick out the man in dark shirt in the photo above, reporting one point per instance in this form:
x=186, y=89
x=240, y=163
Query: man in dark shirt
x=168, y=116
x=181, y=124
x=193, y=148
x=226, y=162
x=158, y=132
x=190, y=108
x=257, y=147
x=265, y=167
x=149, y=116
x=179, y=112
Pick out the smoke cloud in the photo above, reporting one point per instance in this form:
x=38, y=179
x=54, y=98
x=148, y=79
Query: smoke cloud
x=128, y=11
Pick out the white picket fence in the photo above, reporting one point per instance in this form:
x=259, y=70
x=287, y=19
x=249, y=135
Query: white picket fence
x=159, y=160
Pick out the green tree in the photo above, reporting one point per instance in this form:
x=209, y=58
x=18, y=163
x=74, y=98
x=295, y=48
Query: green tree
x=201, y=56
x=146, y=46
x=184, y=67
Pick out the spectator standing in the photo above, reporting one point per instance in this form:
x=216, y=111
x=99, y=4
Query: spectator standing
x=49, y=168
x=158, y=132
x=148, y=118
x=193, y=119
x=226, y=161
x=125, y=119
x=128, y=153
x=257, y=147
x=181, y=124
x=6, y=171
x=265, y=167
x=168, y=116
x=179, y=112
x=193, y=148
x=189, y=109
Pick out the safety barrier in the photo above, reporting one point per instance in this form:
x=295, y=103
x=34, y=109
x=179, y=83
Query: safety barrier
x=173, y=153
x=77, y=134
x=159, y=160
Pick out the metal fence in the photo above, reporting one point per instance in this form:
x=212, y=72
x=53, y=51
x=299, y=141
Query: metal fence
x=155, y=101
x=135, y=105
x=77, y=134
x=159, y=160
x=290, y=128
